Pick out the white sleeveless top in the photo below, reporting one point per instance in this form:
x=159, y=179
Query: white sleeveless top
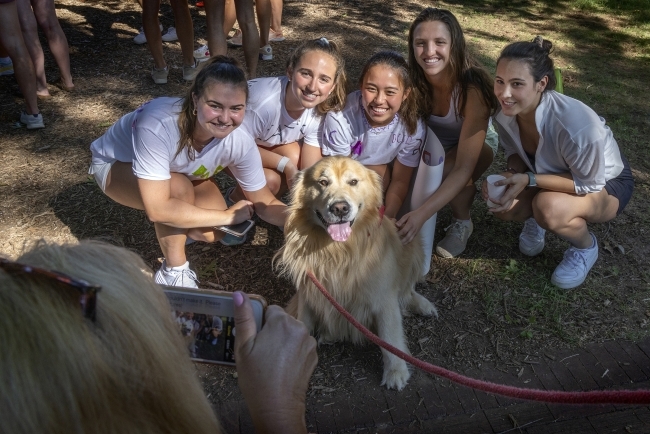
x=447, y=128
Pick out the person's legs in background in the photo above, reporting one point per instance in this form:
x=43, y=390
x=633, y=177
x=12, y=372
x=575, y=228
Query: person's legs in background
x=29, y=27
x=276, y=34
x=45, y=14
x=12, y=40
x=185, y=33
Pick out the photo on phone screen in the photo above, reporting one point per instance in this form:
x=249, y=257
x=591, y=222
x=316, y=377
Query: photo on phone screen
x=206, y=321
x=239, y=229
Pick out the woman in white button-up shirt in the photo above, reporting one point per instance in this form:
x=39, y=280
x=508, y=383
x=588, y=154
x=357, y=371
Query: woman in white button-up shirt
x=564, y=167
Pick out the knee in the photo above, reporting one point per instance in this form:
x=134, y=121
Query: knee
x=273, y=181
x=547, y=210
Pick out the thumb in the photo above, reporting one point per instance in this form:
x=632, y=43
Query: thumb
x=244, y=322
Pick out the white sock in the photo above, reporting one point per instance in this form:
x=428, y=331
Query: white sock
x=464, y=222
x=185, y=266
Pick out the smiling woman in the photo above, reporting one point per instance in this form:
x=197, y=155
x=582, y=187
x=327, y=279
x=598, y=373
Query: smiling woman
x=379, y=126
x=565, y=168
x=284, y=114
x=455, y=97
x=160, y=159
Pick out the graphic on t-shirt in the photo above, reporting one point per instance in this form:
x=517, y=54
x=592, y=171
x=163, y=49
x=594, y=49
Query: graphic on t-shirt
x=203, y=173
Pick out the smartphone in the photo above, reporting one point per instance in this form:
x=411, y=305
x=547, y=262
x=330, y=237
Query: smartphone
x=238, y=230
x=206, y=320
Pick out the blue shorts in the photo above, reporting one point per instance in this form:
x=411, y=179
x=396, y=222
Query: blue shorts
x=622, y=186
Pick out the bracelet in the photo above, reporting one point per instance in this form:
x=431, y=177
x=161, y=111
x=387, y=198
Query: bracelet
x=511, y=170
x=282, y=164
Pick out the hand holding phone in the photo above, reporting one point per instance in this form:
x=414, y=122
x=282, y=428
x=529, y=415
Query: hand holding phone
x=239, y=229
x=276, y=361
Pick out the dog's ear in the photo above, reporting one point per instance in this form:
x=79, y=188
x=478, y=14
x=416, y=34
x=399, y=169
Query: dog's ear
x=297, y=186
x=378, y=186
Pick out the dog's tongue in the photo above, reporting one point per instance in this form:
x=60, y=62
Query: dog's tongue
x=339, y=231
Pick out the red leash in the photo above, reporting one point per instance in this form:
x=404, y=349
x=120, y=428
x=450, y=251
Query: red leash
x=641, y=397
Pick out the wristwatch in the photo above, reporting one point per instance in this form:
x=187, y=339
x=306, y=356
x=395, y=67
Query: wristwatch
x=532, y=182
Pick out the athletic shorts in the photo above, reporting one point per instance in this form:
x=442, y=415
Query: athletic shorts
x=622, y=186
x=100, y=172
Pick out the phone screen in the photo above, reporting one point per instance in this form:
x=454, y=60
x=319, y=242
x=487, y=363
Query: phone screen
x=206, y=322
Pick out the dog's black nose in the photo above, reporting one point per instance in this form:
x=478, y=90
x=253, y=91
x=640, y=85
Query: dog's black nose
x=340, y=209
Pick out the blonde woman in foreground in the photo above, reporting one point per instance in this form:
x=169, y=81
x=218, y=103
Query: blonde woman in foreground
x=81, y=359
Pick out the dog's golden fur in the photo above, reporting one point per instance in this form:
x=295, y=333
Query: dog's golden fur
x=368, y=271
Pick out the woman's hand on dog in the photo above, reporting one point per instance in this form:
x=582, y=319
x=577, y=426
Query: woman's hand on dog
x=409, y=226
x=273, y=366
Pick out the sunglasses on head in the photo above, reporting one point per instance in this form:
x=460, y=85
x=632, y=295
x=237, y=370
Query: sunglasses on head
x=87, y=291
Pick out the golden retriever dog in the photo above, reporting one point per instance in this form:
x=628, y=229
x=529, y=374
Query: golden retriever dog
x=336, y=230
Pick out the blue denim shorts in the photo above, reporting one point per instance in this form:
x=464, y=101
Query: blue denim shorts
x=622, y=186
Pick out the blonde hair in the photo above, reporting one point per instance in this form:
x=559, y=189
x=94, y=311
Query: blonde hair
x=127, y=372
x=336, y=100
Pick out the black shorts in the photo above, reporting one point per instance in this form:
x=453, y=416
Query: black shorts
x=622, y=186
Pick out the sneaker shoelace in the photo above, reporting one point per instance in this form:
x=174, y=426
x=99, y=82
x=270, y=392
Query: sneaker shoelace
x=456, y=229
x=531, y=229
x=187, y=274
x=574, y=258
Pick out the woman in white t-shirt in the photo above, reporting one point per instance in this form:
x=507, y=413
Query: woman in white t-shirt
x=565, y=168
x=284, y=111
x=379, y=126
x=160, y=158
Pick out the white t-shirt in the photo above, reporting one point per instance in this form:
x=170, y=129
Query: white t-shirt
x=148, y=138
x=348, y=133
x=267, y=119
x=572, y=138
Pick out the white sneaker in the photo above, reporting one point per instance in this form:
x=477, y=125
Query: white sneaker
x=575, y=266
x=531, y=239
x=202, y=53
x=236, y=40
x=32, y=122
x=266, y=53
x=176, y=276
x=140, y=38
x=275, y=37
x=159, y=76
x=189, y=72
x=170, y=35
x=454, y=243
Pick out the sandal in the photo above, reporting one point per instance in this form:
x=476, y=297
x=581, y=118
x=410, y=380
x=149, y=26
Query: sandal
x=61, y=85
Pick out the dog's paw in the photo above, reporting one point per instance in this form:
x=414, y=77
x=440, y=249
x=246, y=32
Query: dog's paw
x=422, y=306
x=396, y=377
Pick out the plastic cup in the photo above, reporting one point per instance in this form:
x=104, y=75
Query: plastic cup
x=494, y=191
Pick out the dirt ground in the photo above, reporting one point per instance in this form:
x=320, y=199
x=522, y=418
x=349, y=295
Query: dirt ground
x=45, y=192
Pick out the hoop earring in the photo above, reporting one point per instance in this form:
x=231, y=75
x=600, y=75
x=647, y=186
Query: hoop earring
x=194, y=111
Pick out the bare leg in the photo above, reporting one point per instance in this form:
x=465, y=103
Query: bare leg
x=47, y=20
x=150, y=9
x=30, y=36
x=122, y=187
x=184, y=30
x=214, y=17
x=276, y=17
x=263, y=9
x=250, y=36
x=230, y=16
x=12, y=40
